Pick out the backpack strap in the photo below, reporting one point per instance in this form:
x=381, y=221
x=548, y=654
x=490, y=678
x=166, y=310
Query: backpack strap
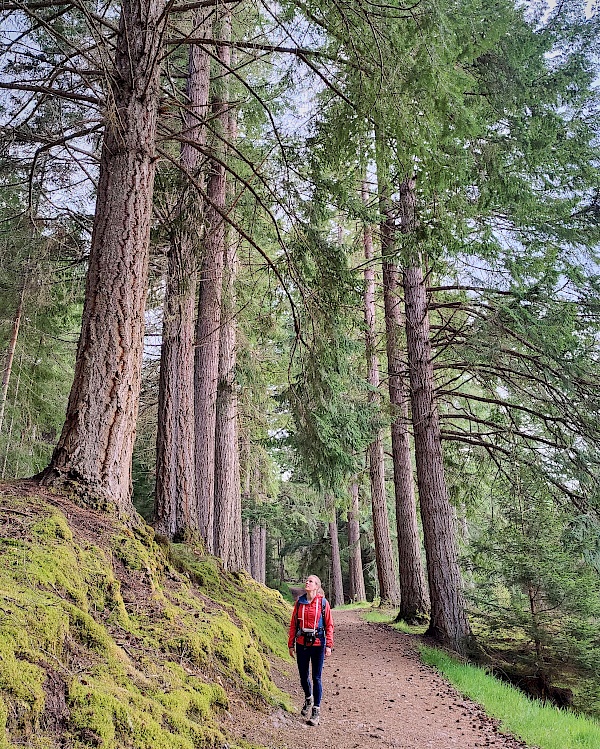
x=321, y=625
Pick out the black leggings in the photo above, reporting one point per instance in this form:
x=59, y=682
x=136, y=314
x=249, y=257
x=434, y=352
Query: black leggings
x=305, y=656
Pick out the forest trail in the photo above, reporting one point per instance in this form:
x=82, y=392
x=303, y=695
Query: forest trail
x=376, y=694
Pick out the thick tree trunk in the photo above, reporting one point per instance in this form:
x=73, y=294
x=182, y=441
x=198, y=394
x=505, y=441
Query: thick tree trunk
x=355, y=570
x=414, y=604
x=389, y=591
x=228, y=498
x=448, y=622
x=337, y=586
x=10, y=352
x=175, y=506
x=209, y=301
x=96, y=444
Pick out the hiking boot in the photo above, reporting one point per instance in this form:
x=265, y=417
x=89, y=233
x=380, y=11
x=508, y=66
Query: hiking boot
x=308, y=703
x=315, y=718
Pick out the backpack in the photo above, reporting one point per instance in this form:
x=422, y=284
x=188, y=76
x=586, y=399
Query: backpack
x=310, y=635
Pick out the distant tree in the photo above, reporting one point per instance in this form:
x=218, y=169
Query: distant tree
x=228, y=497
x=41, y=286
x=210, y=290
x=355, y=570
x=389, y=590
x=12, y=345
x=176, y=510
x=536, y=577
x=337, y=586
x=414, y=598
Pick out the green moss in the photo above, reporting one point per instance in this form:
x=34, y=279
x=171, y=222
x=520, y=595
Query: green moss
x=138, y=675
x=51, y=527
x=133, y=552
x=263, y=611
x=48, y=561
x=123, y=717
x=92, y=635
x=3, y=721
x=40, y=741
x=203, y=570
x=22, y=680
x=32, y=630
x=92, y=709
x=103, y=588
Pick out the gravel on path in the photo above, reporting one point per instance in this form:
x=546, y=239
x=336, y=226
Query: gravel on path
x=376, y=694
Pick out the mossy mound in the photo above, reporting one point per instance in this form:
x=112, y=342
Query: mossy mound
x=110, y=639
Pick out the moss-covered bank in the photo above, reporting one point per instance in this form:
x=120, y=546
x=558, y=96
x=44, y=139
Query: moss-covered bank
x=110, y=639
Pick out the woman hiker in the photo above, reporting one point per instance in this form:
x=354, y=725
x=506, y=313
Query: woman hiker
x=311, y=631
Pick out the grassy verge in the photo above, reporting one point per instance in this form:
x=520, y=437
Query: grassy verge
x=539, y=725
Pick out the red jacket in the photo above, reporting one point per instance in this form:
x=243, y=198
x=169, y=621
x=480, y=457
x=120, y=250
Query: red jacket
x=307, y=615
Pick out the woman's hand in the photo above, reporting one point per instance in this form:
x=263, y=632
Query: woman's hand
x=292, y=652
x=327, y=652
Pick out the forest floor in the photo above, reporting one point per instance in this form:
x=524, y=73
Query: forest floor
x=376, y=694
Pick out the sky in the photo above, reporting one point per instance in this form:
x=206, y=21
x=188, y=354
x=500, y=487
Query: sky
x=591, y=6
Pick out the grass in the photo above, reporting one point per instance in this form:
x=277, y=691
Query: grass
x=387, y=616
x=285, y=591
x=354, y=606
x=537, y=724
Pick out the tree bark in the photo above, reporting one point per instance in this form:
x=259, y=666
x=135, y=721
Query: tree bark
x=175, y=505
x=10, y=352
x=246, y=545
x=414, y=603
x=244, y=454
x=209, y=301
x=96, y=444
x=337, y=586
x=281, y=562
x=389, y=591
x=448, y=622
x=258, y=553
x=263, y=555
x=228, y=497
x=12, y=421
x=357, y=580
x=255, y=552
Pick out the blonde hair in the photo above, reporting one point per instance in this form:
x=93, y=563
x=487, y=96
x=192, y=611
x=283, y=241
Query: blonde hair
x=320, y=591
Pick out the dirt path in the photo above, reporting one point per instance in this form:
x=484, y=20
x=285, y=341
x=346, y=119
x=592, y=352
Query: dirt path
x=377, y=694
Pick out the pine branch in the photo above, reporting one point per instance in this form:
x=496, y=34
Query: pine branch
x=49, y=91
x=579, y=500
x=224, y=214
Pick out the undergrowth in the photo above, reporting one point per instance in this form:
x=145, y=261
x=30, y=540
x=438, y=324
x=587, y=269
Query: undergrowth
x=117, y=641
x=355, y=606
x=388, y=616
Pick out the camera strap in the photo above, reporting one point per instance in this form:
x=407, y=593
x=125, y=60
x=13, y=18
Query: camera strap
x=318, y=628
